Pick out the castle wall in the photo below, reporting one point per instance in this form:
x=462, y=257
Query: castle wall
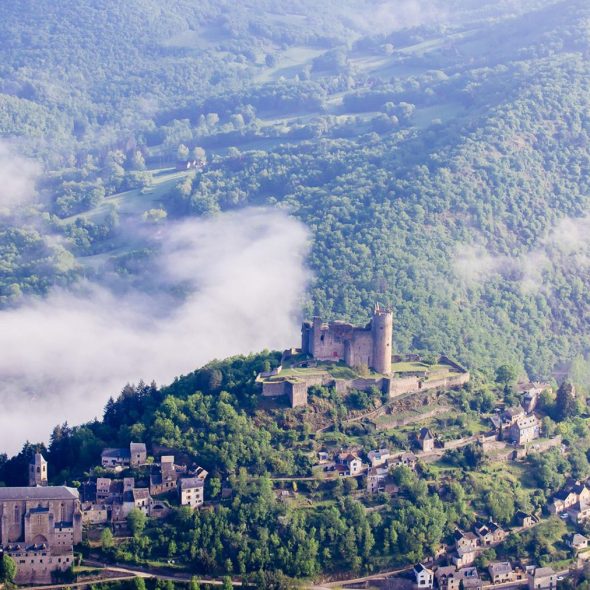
x=360, y=349
x=274, y=388
x=402, y=385
x=297, y=391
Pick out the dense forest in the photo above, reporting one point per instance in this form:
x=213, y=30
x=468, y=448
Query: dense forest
x=215, y=416
x=441, y=165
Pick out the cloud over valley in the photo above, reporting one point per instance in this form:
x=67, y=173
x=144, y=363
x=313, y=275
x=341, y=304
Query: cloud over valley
x=231, y=284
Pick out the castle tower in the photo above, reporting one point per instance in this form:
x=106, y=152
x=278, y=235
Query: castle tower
x=382, y=335
x=38, y=471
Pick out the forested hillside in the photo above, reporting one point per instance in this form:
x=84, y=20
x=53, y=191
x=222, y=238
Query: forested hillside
x=439, y=158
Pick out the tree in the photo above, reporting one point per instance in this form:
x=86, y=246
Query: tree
x=139, y=584
x=136, y=521
x=565, y=402
x=227, y=585
x=194, y=584
x=506, y=374
x=7, y=569
x=182, y=152
x=106, y=539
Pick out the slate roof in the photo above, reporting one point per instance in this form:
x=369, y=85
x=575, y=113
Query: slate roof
x=39, y=493
x=189, y=483
x=116, y=454
x=499, y=568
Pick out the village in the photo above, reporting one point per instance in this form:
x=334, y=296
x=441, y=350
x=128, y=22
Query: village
x=40, y=525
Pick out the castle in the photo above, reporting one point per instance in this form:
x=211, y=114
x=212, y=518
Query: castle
x=357, y=347
x=326, y=346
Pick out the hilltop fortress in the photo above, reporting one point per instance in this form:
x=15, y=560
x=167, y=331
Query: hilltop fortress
x=357, y=347
x=340, y=355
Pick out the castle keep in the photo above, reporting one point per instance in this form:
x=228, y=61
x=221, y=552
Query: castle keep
x=368, y=346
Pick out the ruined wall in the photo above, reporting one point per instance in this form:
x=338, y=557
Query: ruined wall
x=297, y=392
x=274, y=388
x=402, y=385
x=329, y=340
x=359, y=349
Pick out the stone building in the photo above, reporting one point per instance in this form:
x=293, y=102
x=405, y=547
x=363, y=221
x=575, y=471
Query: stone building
x=525, y=429
x=38, y=528
x=369, y=346
x=38, y=471
x=134, y=456
x=191, y=490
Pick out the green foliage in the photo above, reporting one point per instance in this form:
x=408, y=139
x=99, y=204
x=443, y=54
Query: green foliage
x=7, y=569
x=136, y=520
x=106, y=539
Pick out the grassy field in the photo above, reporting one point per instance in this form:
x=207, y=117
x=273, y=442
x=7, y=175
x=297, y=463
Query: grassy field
x=133, y=203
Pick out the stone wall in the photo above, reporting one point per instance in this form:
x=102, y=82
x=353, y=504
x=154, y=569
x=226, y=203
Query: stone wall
x=402, y=385
x=274, y=388
x=297, y=392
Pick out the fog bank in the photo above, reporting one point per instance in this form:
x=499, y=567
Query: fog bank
x=242, y=278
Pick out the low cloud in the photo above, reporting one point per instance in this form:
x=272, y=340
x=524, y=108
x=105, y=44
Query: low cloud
x=18, y=176
x=242, y=278
x=386, y=16
x=567, y=243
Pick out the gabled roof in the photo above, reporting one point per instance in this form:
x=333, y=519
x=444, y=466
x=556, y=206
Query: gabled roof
x=115, y=454
x=189, y=483
x=39, y=493
x=562, y=494
x=426, y=434
x=500, y=567
x=137, y=447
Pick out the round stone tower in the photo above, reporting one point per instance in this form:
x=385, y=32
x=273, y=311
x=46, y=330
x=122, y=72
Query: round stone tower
x=382, y=333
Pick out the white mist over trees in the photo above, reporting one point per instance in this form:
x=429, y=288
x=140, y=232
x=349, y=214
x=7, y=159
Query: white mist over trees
x=239, y=281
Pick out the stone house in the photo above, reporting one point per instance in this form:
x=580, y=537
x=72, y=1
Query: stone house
x=446, y=578
x=465, y=542
x=530, y=393
x=525, y=429
x=378, y=457
x=579, y=512
x=501, y=572
x=165, y=477
x=119, y=459
x=376, y=477
x=469, y=578
x=423, y=577
x=577, y=542
x=490, y=533
x=542, y=578
x=137, y=498
x=426, y=440
x=563, y=500
x=353, y=464
x=138, y=454
x=191, y=491
x=405, y=459
x=93, y=514
x=525, y=520
x=569, y=497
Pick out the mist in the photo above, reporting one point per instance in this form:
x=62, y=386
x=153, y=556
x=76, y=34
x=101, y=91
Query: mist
x=567, y=243
x=227, y=285
x=18, y=176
